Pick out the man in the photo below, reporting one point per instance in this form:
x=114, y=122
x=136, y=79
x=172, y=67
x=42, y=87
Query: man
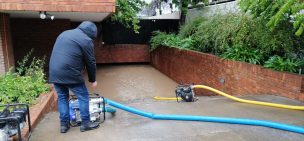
x=73, y=51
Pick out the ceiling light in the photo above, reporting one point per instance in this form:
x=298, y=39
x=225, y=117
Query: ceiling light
x=44, y=15
x=52, y=17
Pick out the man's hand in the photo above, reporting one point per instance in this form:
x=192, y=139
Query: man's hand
x=94, y=84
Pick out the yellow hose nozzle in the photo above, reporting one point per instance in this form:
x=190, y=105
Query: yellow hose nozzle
x=167, y=98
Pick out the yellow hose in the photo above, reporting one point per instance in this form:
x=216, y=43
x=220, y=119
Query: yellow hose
x=238, y=99
x=166, y=98
x=250, y=101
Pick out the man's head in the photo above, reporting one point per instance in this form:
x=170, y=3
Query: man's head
x=88, y=28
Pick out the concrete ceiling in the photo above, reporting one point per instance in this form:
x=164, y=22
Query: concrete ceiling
x=73, y=16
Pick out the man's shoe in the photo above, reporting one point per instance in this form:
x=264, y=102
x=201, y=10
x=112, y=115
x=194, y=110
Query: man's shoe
x=89, y=126
x=64, y=128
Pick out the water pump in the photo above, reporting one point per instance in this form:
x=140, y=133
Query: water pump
x=97, y=110
x=13, y=118
x=186, y=93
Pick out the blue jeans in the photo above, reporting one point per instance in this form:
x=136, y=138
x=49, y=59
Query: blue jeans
x=80, y=90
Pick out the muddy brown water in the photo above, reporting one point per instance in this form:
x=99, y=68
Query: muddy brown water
x=135, y=85
x=131, y=82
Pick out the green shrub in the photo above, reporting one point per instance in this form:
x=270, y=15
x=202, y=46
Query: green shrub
x=191, y=27
x=158, y=39
x=237, y=53
x=188, y=43
x=220, y=32
x=277, y=13
x=237, y=37
x=284, y=64
x=172, y=40
x=26, y=84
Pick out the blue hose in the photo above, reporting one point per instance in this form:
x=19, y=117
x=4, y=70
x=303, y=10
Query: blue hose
x=109, y=110
x=275, y=125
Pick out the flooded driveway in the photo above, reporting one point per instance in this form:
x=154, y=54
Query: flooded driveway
x=135, y=85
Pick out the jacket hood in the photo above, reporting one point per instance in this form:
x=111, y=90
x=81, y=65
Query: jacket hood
x=88, y=28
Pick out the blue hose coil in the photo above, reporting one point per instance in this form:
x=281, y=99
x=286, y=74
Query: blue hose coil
x=270, y=124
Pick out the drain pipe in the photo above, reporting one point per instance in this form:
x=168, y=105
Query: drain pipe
x=253, y=122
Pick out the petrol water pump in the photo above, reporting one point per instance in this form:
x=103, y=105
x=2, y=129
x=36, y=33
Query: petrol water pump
x=97, y=109
x=13, y=118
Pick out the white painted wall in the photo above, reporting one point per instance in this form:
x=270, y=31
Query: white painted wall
x=229, y=7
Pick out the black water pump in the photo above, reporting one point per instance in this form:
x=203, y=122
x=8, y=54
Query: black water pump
x=12, y=119
x=186, y=93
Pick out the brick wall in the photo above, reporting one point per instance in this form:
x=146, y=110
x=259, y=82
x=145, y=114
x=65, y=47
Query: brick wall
x=59, y=5
x=122, y=53
x=6, y=49
x=232, y=77
x=37, y=34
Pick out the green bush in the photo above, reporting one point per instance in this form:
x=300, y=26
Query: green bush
x=190, y=28
x=277, y=13
x=172, y=40
x=235, y=36
x=285, y=64
x=220, y=32
x=238, y=53
x=158, y=39
x=26, y=84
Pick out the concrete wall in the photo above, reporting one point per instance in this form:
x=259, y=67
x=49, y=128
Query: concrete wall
x=6, y=49
x=232, y=77
x=224, y=8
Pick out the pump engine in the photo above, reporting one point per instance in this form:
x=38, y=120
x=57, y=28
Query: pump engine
x=186, y=93
x=96, y=107
x=13, y=118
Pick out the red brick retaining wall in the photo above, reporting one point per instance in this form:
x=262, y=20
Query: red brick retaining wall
x=122, y=53
x=233, y=77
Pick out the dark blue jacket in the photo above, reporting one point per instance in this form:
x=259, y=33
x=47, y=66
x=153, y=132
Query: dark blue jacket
x=73, y=51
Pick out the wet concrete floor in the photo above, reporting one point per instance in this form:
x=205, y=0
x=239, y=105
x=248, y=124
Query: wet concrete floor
x=135, y=85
